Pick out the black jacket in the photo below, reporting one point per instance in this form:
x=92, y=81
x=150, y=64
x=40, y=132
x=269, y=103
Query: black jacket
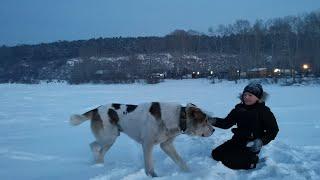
x=255, y=121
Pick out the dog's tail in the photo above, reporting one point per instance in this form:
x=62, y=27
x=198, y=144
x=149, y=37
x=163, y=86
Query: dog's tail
x=77, y=119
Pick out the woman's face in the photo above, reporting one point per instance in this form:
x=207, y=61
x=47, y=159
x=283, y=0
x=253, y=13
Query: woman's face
x=249, y=99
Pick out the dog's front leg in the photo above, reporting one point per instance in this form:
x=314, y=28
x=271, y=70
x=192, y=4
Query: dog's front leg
x=148, y=161
x=169, y=149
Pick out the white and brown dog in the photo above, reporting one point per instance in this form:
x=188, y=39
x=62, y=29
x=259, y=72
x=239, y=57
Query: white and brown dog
x=148, y=123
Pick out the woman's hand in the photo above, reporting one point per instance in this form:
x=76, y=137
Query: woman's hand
x=212, y=120
x=255, y=145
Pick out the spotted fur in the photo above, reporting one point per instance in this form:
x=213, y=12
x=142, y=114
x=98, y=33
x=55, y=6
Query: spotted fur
x=113, y=116
x=148, y=124
x=155, y=110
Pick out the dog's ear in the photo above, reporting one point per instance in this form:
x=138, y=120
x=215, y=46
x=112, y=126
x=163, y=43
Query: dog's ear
x=197, y=114
x=191, y=105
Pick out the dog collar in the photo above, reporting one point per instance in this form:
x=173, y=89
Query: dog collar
x=183, y=119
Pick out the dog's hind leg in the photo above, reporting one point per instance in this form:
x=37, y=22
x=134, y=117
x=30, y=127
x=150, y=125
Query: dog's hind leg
x=106, y=146
x=105, y=135
x=105, y=140
x=99, y=149
x=148, y=161
x=169, y=149
x=96, y=151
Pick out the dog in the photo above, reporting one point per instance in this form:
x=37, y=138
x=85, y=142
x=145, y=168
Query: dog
x=148, y=124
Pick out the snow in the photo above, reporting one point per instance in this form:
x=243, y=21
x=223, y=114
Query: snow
x=37, y=142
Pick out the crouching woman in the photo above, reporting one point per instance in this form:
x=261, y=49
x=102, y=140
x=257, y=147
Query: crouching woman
x=256, y=126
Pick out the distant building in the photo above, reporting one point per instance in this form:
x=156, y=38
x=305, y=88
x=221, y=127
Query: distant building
x=257, y=73
x=158, y=75
x=284, y=72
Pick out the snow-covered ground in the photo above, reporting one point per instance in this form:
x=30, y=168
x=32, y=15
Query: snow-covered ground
x=36, y=141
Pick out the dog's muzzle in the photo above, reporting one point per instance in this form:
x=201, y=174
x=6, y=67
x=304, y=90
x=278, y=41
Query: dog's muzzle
x=210, y=132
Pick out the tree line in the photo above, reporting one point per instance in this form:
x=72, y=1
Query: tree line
x=285, y=43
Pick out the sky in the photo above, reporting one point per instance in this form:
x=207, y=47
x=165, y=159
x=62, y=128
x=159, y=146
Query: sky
x=42, y=21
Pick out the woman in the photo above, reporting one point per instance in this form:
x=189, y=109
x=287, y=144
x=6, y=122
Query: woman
x=256, y=126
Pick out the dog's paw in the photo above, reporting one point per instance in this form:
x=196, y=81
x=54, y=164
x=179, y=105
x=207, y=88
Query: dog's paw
x=99, y=160
x=152, y=174
x=97, y=165
x=185, y=168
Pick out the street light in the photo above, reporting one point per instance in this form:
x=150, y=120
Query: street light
x=276, y=70
x=306, y=69
x=238, y=73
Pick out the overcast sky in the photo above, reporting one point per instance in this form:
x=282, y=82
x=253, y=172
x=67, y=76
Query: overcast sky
x=36, y=21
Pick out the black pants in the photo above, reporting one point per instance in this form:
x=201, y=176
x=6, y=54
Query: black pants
x=235, y=155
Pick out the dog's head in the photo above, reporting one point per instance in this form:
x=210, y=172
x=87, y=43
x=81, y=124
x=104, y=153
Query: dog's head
x=197, y=122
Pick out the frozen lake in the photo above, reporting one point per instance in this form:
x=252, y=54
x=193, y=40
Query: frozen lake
x=37, y=142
